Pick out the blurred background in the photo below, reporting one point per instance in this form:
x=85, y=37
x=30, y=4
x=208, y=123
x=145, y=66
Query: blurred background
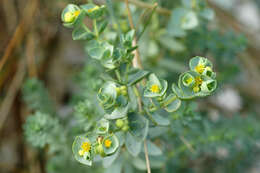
x=33, y=43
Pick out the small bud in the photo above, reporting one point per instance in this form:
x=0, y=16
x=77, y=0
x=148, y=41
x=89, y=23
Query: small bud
x=118, y=91
x=100, y=139
x=100, y=150
x=125, y=128
x=196, y=89
x=122, y=88
x=119, y=123
x=69, y=17
x=124, y=93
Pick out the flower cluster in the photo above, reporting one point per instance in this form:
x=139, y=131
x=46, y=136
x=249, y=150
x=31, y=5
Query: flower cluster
x=128, y=109
x=199, y=81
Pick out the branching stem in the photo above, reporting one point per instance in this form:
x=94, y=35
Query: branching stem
x=137, y=63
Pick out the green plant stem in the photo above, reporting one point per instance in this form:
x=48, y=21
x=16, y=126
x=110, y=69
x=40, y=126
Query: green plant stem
x=118, y=75
x=126, y=73
x=95, y=28
x=86, y=28
x=137, y=63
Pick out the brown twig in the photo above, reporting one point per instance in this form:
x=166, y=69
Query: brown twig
x=138, y=64
x=30, y=56
x=188, y=145
x=11, y=93
x=19, y=31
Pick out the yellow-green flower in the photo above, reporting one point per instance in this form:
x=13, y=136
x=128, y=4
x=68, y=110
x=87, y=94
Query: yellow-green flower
x=107, y=143
x=189, y=80
x=200, y=68
x=85, y=147
x=155, y=88
x=198, y=80
x=196, y=89
x=71, y=16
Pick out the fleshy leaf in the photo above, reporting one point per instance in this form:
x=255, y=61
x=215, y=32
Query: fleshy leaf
x=132, y=144
x=138, y=125
x=136, y=75
x=102, y=126
x=110, y=144
x=76, y=147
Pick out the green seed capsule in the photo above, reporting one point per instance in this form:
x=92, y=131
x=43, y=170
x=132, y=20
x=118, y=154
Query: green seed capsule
x=124, y=92
x=118, y=91
x=100, y=150
x=125, y=128
x=119, y=123
x=123, y=88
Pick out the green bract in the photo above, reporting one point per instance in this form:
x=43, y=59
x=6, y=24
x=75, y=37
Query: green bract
x=102, y=126
x=81, y=150
x=155, y=87
x=93, y=11
x=70, y=15
x=198, y=82
x=107, y=95
x=110, y=144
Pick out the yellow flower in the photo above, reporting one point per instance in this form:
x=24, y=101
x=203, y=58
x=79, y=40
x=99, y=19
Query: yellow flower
x=76, y=13
x=200, y=68
x=93, y=9
x=155, y=88
x=198, y=81
x=189, y=80
x=108, y=143
x=85, y=147
x=196, y=89
x=68, y=17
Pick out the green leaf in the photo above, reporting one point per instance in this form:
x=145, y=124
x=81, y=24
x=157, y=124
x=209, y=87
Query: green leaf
x=82, y=33
x=116, y=167
x=138, y=125
x=189, y=21
x=207, y=13
x=136, y=75
x=76, y=147
x=171, y=43
x=159, y=119
x=118, y=112
x=174, y=26
x=139, y=163
x=132, y=99
x=133, y=145
x=102, y=26
x=114, y=144
x=99, y=50
x=172, y=103
x=152, y=149
x=109, y=160
x=93, y=11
